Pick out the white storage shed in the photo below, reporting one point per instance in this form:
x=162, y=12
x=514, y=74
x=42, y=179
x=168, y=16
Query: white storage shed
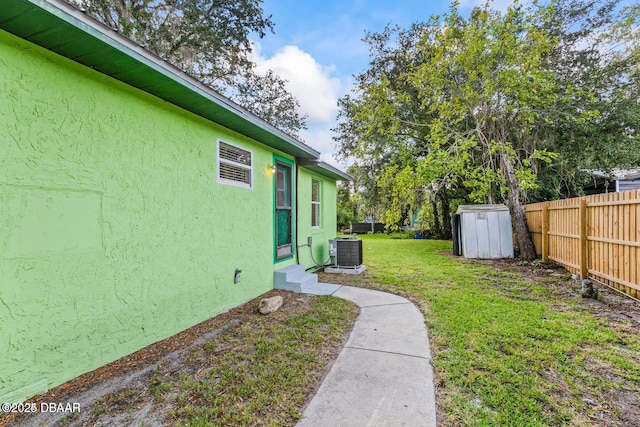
x=485, y=231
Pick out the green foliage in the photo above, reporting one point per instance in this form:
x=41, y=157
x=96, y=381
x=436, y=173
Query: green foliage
x=367, y=195
x=210, y=40
x=456, y=102
x=596, y=65
x=267, y=97
x=483, y=104
x=399, y=185
x=347, y=206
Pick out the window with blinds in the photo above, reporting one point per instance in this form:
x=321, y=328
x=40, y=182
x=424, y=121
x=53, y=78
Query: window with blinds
x=315, y=203
x=235, y=165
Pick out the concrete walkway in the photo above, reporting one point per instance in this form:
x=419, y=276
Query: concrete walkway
x=383, y=376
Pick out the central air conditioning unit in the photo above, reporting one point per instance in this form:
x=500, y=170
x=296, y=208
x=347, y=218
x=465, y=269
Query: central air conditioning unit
x=346, y=252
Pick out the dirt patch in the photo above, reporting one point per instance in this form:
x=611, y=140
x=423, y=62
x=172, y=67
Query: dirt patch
x=133, y=390
x=611, y=304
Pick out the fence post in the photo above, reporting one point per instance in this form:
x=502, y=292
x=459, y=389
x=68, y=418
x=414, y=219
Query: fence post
x=545, y=232
x=583, y=240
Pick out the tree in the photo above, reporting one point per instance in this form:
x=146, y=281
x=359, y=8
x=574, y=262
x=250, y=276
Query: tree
x=267, y=97
x=367, y=192
x=481, y=105
x=347, y=209
x=475, y=91
x=209, y=40
x=596, y=63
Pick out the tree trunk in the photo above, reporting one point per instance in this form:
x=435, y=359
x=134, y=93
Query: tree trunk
x=372, y=224
x=446, y=215
x=437, y=230
x=527, y=249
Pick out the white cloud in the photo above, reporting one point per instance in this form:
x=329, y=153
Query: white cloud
x=310, y=82
x=321, y=138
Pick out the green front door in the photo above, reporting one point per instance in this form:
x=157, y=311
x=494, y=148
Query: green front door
x=284, y=211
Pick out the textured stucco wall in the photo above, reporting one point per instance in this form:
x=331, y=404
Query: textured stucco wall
x=327, y=228
x=113, y=231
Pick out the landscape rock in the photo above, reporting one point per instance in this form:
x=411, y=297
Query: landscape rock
x=269, y=305
x=588, y=291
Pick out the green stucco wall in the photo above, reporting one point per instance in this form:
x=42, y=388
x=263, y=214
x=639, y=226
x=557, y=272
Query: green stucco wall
x=328, y=219
x=113, y=231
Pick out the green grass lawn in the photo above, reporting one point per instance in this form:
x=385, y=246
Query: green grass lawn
x=507, y=350
x=266, y=376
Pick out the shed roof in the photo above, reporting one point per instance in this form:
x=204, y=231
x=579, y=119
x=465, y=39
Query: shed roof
x=481, y=208
x=62, y=28
x=617, y=174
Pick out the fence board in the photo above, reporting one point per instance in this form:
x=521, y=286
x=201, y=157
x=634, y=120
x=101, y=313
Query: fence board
x=596, y=236
x=634, y=235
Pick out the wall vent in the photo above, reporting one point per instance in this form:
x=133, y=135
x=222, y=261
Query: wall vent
x=234, y=165
x=234, y=173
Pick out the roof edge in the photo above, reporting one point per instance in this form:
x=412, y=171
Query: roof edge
x=324, y=169
x=75, y=17
x=482, y=208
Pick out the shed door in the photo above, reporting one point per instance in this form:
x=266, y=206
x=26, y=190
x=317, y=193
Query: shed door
x=485, y=236
x=283, y=208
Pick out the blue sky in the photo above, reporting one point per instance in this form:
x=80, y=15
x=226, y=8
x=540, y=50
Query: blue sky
x=331, y=31
x=317, y=47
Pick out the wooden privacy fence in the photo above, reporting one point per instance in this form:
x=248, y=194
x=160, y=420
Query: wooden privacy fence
x=595, y=236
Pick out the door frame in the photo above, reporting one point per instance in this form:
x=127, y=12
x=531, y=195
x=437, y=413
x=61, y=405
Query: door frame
x=291, y=165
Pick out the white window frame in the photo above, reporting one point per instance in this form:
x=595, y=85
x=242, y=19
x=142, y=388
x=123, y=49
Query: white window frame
x=317, y=203
x=235, y=164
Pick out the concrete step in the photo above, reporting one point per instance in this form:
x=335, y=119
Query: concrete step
x=294, y=278
x=289, y=273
